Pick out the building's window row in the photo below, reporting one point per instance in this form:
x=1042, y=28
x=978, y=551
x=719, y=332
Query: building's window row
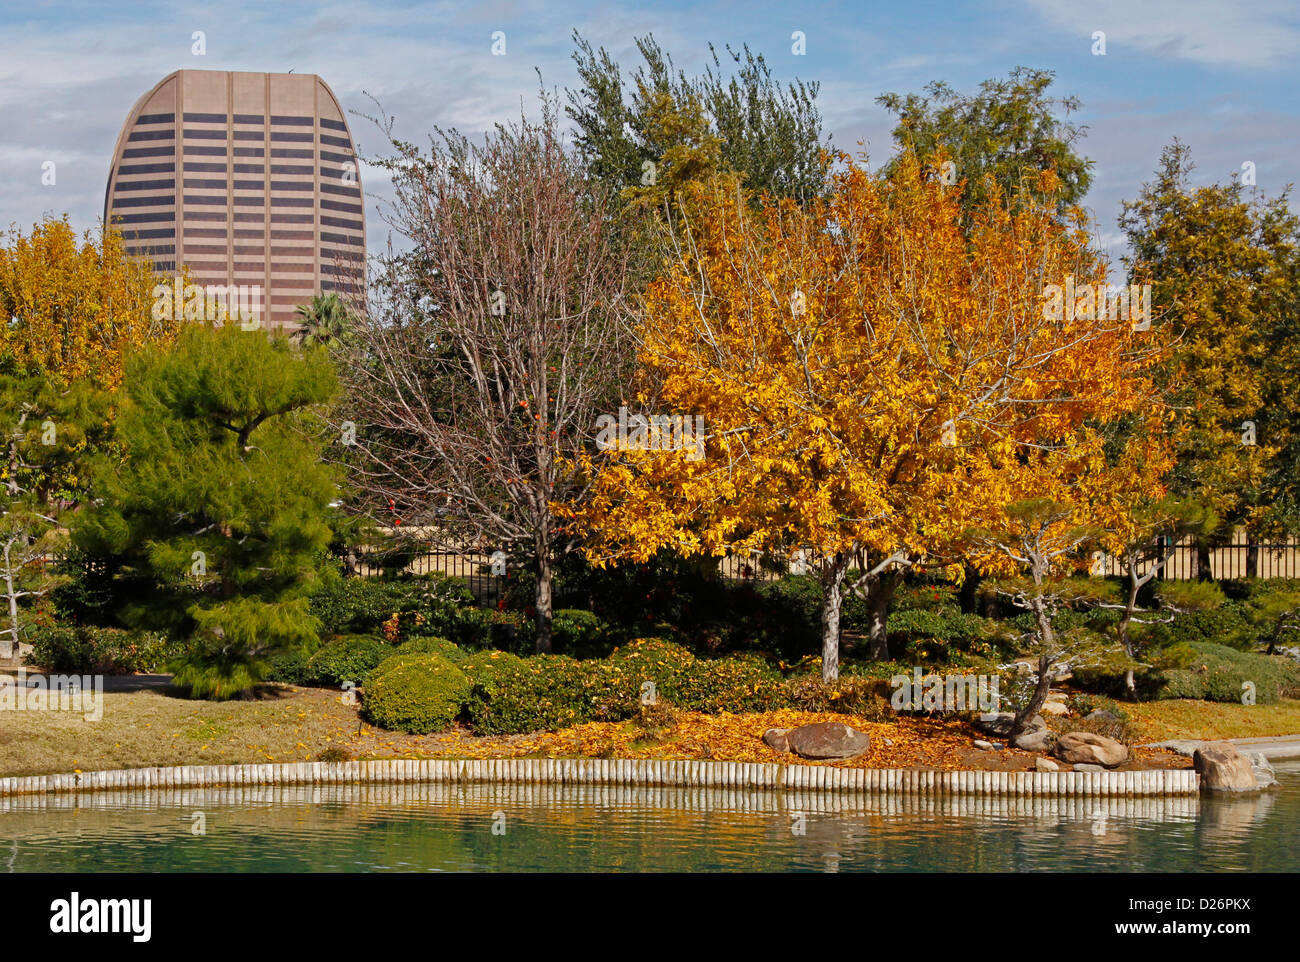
x=163, y=168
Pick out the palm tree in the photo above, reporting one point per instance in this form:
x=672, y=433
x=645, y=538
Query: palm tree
x=326, y=320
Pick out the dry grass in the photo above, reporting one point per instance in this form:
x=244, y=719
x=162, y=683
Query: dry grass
x=1185, y=718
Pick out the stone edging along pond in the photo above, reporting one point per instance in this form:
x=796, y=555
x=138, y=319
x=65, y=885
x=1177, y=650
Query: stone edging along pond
x=628, y=772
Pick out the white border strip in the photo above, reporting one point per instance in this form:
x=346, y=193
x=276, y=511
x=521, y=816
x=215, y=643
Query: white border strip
x=626, y=771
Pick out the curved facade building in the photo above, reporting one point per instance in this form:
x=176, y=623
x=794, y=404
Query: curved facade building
x=251, y=180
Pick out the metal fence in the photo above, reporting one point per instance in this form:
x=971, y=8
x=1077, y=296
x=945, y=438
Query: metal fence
x=1239, y=558
x=1184, y=561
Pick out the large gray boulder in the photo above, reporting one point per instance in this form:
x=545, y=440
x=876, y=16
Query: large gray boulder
x=778, y=738
x=1089, y=749
x=1224, y=769
x=1035, y=737
x=827, y=740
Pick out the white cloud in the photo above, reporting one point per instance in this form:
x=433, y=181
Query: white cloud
x=1213, y=32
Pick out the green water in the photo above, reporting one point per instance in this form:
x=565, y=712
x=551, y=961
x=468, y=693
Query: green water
x=419, y=828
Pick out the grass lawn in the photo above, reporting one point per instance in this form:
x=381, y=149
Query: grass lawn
x=152, y=727
x=1184, y=718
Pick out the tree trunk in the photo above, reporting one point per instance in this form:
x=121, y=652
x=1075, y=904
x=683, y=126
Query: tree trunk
x=1204, y=570
x=969, y=594
x=1047, y=638
x=543, y=600
x=1252, y=556
x=1130, y=683
x=832, y=582
x=880, y=592
x=12, y=597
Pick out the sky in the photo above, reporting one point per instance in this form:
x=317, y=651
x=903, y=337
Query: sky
x=1221, y=76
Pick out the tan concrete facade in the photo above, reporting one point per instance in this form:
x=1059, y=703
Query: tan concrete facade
x=251, y=180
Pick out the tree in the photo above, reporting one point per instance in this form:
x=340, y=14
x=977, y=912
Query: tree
x=668, y=129
x=220, y=503
x=75, y=310
x=1225, y=266
x=491, y=349
x=854, y=378
x=49, y=432
x=1000, y=138
x=327, y=319
x=1061, y=501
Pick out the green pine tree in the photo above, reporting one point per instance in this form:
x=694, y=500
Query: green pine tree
x=221, y=502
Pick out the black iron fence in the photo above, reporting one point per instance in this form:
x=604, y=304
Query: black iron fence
x=1183, y=561
x=487, y=575
x=1239, y=558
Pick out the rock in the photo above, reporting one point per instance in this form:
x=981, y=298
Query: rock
x=999, y=723
x=1090, y=749
x=1055, y=708
x=1182, y=746
x=995, y=723
x=1045, y=765
x=983, y=745
x=1101, y=714
x=1224, y=769
x=1034, y=739
x=778, y=738
x=827, y=740
x=1085, y=767
x=1264, y=775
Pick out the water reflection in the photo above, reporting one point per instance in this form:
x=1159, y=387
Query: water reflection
x=450, y=827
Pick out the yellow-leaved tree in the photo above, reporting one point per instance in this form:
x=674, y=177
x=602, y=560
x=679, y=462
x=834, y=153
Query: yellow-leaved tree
x=861, y=365
x=74, y=306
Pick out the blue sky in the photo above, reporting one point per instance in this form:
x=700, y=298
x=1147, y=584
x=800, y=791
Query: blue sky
x=1221, y=76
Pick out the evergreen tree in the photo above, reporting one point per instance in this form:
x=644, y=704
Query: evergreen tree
x=999, y=138
x=1223, y=266
x=644, y=140
x=222, y=499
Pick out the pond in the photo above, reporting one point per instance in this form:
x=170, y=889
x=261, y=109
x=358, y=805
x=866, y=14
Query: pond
x=493, y=828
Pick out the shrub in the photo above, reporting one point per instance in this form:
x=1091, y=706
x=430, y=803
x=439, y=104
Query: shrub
x=428, y=604
x=851, y=696
x=1222, y=671
x=735, y=685
x=432, y=646
x=579, y=633
x=288, y=668
x=87, y=649
x=421, y=694
x=665, y=664
x=1227, y=624
x=1084, y=704
x=346, y=659
x=938, y=634
x=511, y=695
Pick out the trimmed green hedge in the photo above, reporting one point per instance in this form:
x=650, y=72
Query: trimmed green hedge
x=346, y=659
x=432, y=646
x=288, y=668
x=1226, y=670
x=417, y=694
